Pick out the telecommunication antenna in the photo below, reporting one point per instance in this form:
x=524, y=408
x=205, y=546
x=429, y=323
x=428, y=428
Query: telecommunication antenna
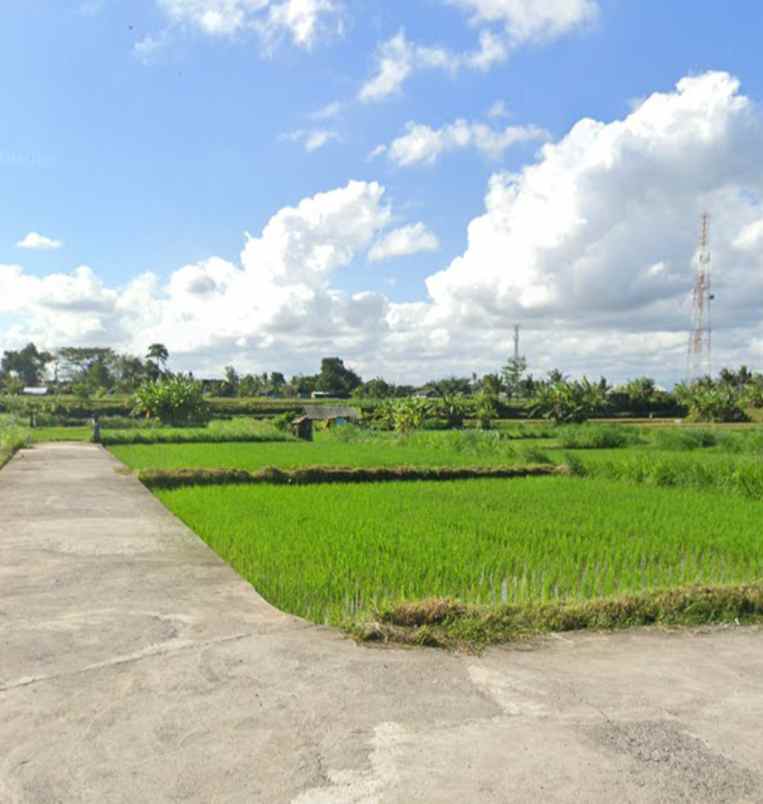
x=700, y=361
x=516, y=341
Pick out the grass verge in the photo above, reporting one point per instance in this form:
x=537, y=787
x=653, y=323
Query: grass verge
x=307, y=475
x=12, y=438
x=188, y=436
x=446, y=623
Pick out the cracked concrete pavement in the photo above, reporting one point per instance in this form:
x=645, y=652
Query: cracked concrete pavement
x=136, y=666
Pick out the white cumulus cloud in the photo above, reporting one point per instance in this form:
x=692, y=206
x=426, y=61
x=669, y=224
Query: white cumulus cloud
x=422, y=144
x=301, y=20
x=573, y=241
x=37, y=242
x=398, y=58
x=529, y=19
x=519, y=21
x=589, y=247
x=411, y=239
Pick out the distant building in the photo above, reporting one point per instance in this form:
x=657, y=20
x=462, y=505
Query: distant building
x=333, y=415
x=323, y=395
x=41, y=391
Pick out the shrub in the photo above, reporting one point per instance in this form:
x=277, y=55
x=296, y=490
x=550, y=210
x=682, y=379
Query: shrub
x=569, y=401
x=598, y=437
x=485, y=410
x=678, y=439
x=177, y=401
x=283, y=421
x=712, y=402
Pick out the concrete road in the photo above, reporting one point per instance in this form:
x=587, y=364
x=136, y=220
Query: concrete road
x=135, y=666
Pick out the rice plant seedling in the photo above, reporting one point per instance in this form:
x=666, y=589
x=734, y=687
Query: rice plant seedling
x=335, y=554
x=682, y=438
x=463, y=448
x=39, y=435
x=598, y=436
x=239, y=430
x=708, y=470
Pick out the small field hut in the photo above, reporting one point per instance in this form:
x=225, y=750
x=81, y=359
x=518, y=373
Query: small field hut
x=332, y=415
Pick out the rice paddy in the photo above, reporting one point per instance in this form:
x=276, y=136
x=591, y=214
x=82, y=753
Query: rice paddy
x=334, y=553
x=326, y=450
x=639, y=524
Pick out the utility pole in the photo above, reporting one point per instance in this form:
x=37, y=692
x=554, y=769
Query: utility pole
x=516, y=341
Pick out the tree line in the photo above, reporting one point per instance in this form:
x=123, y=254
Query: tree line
x=94, y=371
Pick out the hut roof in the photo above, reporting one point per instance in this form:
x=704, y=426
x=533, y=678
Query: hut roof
x=324, y=412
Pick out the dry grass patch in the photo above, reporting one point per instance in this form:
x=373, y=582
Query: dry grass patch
x=309, y=475
x=446, y=623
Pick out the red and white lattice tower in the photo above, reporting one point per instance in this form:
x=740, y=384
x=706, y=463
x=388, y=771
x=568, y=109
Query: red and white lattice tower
x=700, y=361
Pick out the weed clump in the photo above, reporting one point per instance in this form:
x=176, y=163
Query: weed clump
x=598, y=437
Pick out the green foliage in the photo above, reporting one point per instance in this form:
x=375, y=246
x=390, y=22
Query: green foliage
x=601, y=436
x=13, y=385
x=381, y=389
x=513, y=373
x=709, y=402
x=642, y=397
x=282, y=421
x=26, y=365
x=335, y=377
x=451, y=408
x=684, y=438
x=407, y=414
x=752, y=395
x=176, y=400
x=491, y=385
x=702, y=470
x=13, y=437
x=569, y=401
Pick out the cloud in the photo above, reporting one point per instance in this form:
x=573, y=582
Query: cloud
x=424, y=145
x=301, y=20
x=37, y=242
x=401, y=242
x=146, y=50
x=498, y=110
x=312, y=140
x=328, y=112
x=528, y=20
x=575, y=240
x=398, y=58
x=520, y=21
x=279, y=296
x=589, y=247
x=751, y=237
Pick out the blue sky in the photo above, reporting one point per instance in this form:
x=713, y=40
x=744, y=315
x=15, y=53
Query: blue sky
x=143, y=141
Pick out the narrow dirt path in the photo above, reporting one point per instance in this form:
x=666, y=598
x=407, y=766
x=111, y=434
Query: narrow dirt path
x=136, y=666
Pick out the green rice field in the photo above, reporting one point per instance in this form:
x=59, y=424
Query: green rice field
x=331, y=553
x=699, y=459
x=433, y=449
x=636, y=511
